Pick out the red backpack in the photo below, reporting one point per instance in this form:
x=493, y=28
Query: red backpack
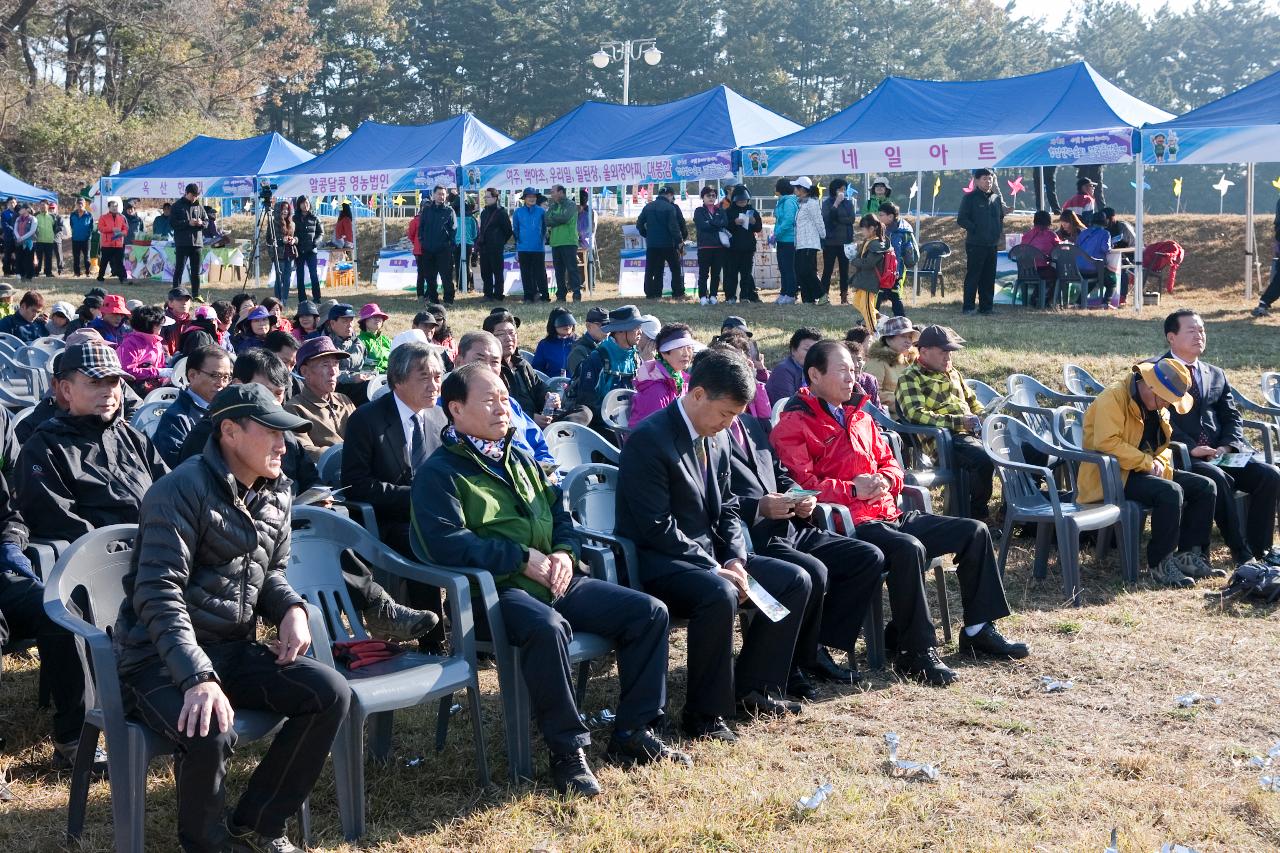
x=889, y=271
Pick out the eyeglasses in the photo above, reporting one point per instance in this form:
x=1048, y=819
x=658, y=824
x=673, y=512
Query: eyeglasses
x=216, y=377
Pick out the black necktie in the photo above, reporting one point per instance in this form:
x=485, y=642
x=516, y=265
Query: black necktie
x=417, y=444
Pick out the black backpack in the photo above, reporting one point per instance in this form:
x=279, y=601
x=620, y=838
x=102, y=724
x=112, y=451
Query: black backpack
x=1256, y=581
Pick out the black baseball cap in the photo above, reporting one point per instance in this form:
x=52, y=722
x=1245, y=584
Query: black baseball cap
x=96, y=291
x=499, y=315
x=940, y=336
x=179, y=293
x=597, y=315
x=255, y=402
x=734, y=322
x=425, y=317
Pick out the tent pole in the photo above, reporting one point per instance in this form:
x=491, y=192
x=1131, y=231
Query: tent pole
x=1040, y=204
x=462, y=231
x=1250, y=247
x=383, y=210
x=257, y=245
x=919, y=195
x=1137, y=230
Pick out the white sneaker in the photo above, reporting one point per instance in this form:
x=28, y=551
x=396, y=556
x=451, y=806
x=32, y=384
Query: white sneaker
x=702, y=300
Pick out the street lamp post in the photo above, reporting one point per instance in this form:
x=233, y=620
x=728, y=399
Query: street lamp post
x=612, y=51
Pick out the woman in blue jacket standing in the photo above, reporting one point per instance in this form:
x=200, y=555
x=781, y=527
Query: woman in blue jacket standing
x=528, y=224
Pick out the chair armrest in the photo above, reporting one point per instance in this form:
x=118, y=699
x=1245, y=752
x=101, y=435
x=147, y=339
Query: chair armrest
x=453, y=579
x=826, y=514
x=603, y=565
x=1181, y=456
x=43, y=558
x=321, y=642
x=1265, y=430
x=59, y=546
x=364, y=514
x=630, y=559
x=915, y=499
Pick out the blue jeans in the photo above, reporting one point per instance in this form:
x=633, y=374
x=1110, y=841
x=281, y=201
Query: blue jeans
x=284, y=277
x=307, y=261
x=787, y=268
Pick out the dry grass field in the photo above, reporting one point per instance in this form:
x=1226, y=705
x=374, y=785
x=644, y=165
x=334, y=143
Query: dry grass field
x=1021, y=769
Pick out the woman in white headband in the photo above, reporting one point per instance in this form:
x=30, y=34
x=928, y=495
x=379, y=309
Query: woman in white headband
x=663, y=380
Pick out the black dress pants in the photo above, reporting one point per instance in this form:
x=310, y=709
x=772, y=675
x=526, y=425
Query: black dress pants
x=1249, y=536
x=80, y=252
x=189, y=256
x=739, y=276
x=564, y=260
x=113, y=255
x=656, y=259
x=833, y=255
x=710, y=265
x=973, y=458
x=533, y=276
x=636, y=623
x=22, y=617
x=435, y=265
x=979, y=277
x=909, y=543
x=1181, y=511
x=844, y=574
x=313, y=696
x=710, y=603
x=492, y=277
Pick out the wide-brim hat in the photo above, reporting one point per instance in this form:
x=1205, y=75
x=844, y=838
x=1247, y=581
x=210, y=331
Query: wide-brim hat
x=1169, y=380
x=623, y=319
x=114, y=304
x=650, y=326
x=882, y=181
x=735, y=322
x=372, y=310
x=320, y=347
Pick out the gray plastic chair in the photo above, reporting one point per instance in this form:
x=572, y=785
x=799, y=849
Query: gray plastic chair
x=985, y=393
x=147, y=419
x=97, y=563
x=516, y=709
x=37, y=357
x=163, y=394
x=52, y=344
x=559, y=385
x=1080, y=382
x=1026, y=256
x=21, y=381
x=1271, y=388
x=615, y=410
x=1026, y=502
x=931, y=470
x=1268, y=425
x=12, y=343
x=931, y=255
x=574, y=444
x=775, y=414
x=406, y=681
x=329, y=466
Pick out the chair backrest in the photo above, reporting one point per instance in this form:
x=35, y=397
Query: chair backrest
x=147, y=419
x=1064, y=261
x=559, y=385
x=51, y=344
x=777, y=410
x=985, y=393
x=23, y=379
x=615, y=410
x=1005, y=440
x=179, y=378
x=574, y=444
x=315, y=569
x=36, y=357
x=1068, y=427
x=163, y=394
x=1026, y=257
x=15, y=417
x=931, y=255
x=13, y=342
x=377, y=383
x=1271, y=388
x=1080, y=381
x=591, y=492
x=329, y=466
x=526, y=355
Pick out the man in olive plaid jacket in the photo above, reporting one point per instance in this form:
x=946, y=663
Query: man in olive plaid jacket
x=931, y=392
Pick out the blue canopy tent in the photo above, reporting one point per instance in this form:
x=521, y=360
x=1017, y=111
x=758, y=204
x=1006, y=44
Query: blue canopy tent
x=11, y=187
x=598, y=144
x=1237, y=128
x=223, y=168
x=1062, y=117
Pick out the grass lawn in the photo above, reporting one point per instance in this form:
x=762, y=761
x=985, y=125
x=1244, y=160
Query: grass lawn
x=1021, y=769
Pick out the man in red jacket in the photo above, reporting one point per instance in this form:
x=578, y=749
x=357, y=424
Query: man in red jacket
x=836, y=448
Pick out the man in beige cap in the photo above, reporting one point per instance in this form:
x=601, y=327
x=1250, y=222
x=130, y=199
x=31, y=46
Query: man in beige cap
x=1130, y=421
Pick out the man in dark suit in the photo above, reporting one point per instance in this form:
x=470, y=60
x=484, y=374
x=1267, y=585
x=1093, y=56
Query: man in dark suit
x=387, y=440
x=844, y=572
x=676, y=504
x=1214, y=427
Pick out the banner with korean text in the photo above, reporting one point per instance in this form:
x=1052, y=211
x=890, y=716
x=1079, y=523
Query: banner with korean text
x=707, y=166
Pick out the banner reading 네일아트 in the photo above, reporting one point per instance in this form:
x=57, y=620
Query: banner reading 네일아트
x=965, y=152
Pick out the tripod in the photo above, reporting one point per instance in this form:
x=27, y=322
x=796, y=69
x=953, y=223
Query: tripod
x=265, y=230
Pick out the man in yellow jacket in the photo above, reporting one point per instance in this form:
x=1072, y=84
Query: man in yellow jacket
x=1130, y=421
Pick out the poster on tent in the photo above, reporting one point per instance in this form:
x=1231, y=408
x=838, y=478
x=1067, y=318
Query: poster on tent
x=709, y=166
x=323, y=259
x=968, y=152
x=631, y=268
x=240, y=186
x=1199, y=145
x=154, y=261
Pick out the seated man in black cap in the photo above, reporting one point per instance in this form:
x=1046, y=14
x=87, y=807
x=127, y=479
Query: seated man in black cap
x=523, y=383
x=208, y=372
x=320, y=402
x=932, y=392
x=86, y=467
x=1213, y=428
x=341, y=330
x=479, y=501
x=588, y=340
x=612, y=364
x=209, y=562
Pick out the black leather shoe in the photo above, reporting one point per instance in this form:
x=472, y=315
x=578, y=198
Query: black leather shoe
x=570, y=774
x=826, y=669
x=891, y=639
x=990, y=642
x=924, y=667
x=699, y=727
x=757, y=704
x=644, y=747
x=799, y=687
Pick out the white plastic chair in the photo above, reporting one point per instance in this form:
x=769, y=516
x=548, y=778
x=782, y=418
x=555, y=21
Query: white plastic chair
x=163, y=394
x=147, y=419
x=776, y=414
x=376, y=384
x=615, y=410
x=574, y=444
x=179, y=378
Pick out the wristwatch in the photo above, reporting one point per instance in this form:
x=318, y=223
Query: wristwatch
x=198, y=679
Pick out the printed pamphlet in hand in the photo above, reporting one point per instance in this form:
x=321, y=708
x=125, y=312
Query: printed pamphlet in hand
x=316, y=495
x=797, y=494
x=1234, y=460
x=769, y=606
